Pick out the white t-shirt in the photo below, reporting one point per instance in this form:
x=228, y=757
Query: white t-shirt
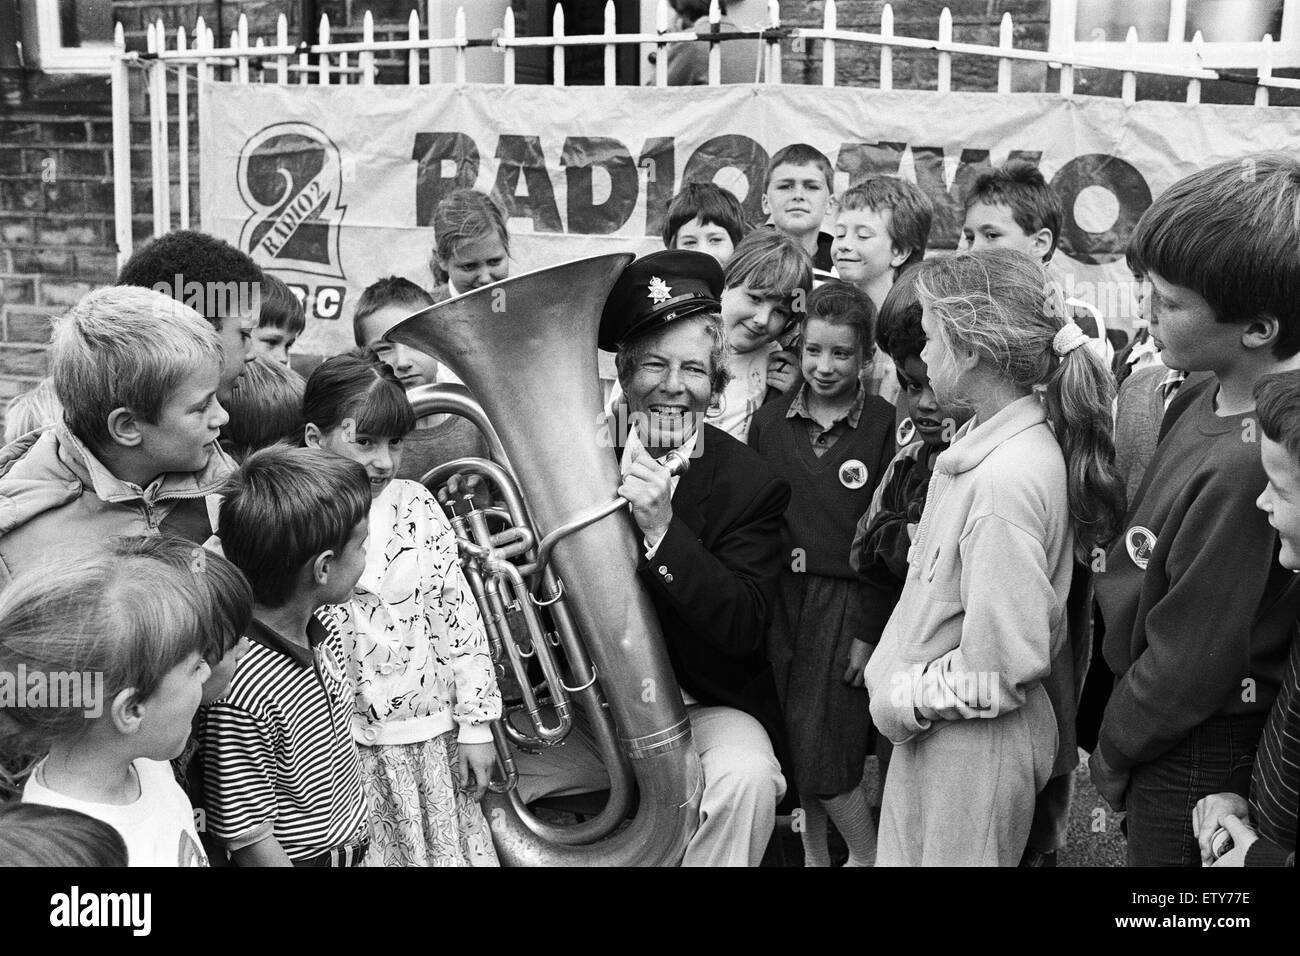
x=158, y=828
x=739, y=401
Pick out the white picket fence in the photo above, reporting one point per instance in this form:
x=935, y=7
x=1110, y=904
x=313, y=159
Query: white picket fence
x=193, y=60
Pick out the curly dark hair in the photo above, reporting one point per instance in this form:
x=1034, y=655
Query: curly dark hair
x=194, y=256
x=898, y=327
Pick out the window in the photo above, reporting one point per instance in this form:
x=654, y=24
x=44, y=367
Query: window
x=1231, y=29
x=68, y=36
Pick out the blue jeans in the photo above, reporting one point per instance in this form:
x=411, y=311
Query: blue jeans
x=1163, y=793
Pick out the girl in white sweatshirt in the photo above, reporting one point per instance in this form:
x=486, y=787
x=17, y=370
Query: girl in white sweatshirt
x=418, y=656
x=957, y=679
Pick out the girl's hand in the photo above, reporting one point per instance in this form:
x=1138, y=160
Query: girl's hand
x=1242, y=838
x=479, y=758
x=783, y=371
x=859, y=654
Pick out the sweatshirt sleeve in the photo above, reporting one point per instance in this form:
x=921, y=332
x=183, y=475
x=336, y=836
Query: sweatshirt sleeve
x=1006, y=639
x=881, y=541
x=1198, y=635
x=1264, y=852
x=478, y=699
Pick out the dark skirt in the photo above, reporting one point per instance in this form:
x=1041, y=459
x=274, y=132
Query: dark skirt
x=828, y=721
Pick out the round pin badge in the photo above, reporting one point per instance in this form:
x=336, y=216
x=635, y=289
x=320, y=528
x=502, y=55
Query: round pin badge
x=1140, y=542
x=906, y=432
x=853, y=474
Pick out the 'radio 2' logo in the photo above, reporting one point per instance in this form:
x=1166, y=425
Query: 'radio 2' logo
x=291, y=177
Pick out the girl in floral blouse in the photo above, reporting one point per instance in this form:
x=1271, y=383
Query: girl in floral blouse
x=425, y=689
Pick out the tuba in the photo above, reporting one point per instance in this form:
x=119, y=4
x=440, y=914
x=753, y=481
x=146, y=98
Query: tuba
x=526, y=348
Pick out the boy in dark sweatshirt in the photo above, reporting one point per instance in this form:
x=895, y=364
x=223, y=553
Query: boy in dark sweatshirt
x=1259, y=806
x=1198, y=612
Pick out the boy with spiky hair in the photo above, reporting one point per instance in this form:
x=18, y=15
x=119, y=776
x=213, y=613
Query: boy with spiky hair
x=1013, y=206
x=882, y=226
x=1198, y=663
x=136, y=374
x=797, y=191
x=280, y=322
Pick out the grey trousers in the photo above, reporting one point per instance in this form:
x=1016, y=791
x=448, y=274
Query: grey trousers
x=964, y=794
x=742, y=783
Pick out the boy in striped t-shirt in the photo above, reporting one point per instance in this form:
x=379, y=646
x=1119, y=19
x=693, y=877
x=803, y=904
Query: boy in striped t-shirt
x=282, y=782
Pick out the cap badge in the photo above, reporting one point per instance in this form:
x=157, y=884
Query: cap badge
x=659, y=290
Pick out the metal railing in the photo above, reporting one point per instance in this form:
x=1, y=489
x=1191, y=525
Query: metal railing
x=194, y=60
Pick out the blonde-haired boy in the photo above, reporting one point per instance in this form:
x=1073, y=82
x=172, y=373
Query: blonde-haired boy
x=137, y=374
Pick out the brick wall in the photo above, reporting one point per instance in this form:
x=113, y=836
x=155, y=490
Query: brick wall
x=56, y=221
x=57, y=236
x=973, y=21
x=135, y=15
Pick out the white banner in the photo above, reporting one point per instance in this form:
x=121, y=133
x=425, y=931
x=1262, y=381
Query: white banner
x=334, y=187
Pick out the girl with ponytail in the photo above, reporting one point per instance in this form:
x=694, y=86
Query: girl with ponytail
x=1028, y=483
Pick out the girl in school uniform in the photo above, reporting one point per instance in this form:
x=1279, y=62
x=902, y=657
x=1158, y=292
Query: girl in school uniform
x=832, y=441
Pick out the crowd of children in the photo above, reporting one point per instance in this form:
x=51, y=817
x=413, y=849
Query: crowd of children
x=982, y=492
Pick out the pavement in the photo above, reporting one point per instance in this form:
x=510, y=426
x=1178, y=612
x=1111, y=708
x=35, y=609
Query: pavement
x=1093, y=838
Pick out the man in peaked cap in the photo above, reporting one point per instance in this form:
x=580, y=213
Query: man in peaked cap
x=711, y=553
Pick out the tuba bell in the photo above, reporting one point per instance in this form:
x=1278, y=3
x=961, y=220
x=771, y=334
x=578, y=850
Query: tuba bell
x=526, y=349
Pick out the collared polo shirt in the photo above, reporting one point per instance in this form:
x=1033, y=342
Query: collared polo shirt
x=278, y=754
x=822, y=437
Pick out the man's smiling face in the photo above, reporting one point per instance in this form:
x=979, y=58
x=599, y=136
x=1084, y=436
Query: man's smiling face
x=669, y=389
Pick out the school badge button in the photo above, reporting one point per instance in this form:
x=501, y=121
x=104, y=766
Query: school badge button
x=1140, y=542
x=853, y=474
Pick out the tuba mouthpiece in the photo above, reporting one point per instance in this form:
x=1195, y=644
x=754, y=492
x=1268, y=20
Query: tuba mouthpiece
x=676, y=463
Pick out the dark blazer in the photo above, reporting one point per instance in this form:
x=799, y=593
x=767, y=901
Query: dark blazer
x=713, y=579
